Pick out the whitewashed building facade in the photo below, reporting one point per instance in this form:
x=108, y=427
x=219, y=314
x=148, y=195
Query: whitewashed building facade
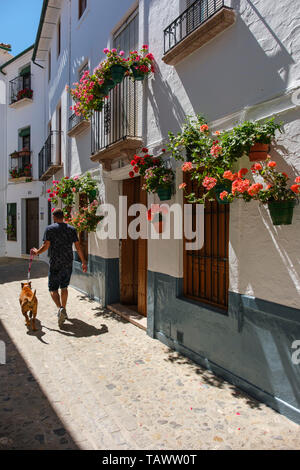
x=230, y=61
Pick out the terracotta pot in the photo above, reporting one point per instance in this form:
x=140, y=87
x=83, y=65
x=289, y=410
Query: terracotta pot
x=259, y=152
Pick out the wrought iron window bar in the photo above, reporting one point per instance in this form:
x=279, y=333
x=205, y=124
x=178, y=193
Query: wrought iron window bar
x=74, y=120
x=18, y=84
x=195, y=15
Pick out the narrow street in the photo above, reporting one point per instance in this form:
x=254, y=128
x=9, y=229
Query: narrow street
x=102, y=383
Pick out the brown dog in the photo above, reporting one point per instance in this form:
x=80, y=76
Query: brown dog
x=28, y=302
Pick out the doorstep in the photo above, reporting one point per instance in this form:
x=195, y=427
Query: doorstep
x=130, y=315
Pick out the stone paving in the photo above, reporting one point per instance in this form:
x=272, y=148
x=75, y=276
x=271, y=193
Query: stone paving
x=102, y=383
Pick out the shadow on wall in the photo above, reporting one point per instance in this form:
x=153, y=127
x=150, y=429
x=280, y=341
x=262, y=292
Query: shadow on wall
x=167, y=117
x=236, y=68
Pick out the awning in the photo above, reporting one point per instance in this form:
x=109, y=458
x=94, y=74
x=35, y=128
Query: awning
x=24, y=132
x=25, y=71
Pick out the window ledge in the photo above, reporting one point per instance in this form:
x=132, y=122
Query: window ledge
x=22, y=179
x=21, y=102
x=126, y=147
x=222, y=20
x=79, y=128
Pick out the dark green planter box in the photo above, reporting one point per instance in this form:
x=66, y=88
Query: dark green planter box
x=137, y=75
x=117, y=73
x=164, y=194
x=281, y=212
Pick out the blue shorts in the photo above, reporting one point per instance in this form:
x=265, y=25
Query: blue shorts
x=59, y=279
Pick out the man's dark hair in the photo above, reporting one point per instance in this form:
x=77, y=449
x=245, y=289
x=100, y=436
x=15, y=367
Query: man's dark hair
x=58, y=214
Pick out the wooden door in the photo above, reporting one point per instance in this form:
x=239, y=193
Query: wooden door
x=32, y=224
x=134, y=256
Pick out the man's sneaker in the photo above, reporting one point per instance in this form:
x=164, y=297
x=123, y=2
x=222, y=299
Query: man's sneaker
x=62, y=316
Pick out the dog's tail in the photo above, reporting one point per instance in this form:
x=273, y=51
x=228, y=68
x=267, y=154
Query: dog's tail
x=33, y=296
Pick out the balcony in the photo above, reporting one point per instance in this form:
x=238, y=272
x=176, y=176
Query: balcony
x=115, y=130
x=196, y=26
x=20, y=91
x=77, y=125
x=20, y=167
x=50, y=156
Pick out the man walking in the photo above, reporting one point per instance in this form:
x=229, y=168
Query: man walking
x=59, y=238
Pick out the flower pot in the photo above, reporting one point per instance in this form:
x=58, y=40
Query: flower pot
x=259, y=152
x=137, y=74
x=218, y=189
x=281, y=212
x=92, y=195
x=98, y=106
x=108, y=84
x=117, y=73
x=164, y=193
x=158, y=226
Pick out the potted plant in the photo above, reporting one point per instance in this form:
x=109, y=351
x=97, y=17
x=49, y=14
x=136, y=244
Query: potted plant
x=14, y=173
x=88, y=95
x=208, y=161
x=86, y=219
x=141, y=63
x=116, y=64
x=25, y=93
x=157, y=176
x=252, y=138
x=274, y=191
x=27, y=169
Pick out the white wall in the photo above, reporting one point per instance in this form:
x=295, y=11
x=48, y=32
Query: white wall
x=28, y=114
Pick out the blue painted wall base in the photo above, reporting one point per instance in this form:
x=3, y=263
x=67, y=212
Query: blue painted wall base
x=250, y=346
x=101, y=282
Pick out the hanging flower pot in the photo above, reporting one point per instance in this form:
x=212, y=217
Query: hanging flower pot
x=92, y=195
x=219, y=189
x=117, y=73
x=281, y=212
x=164, y=193
x=137, y=74
x=259, y=152
x=108, y=85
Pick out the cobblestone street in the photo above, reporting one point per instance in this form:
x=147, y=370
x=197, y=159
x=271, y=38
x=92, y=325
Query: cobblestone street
x=102, y=383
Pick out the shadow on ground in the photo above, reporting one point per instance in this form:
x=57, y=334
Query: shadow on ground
x=16, y=269
x=27, y=420
x=79, y=329
x=209, y=378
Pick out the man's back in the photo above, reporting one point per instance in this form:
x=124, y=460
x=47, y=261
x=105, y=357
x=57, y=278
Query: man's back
x=61, y=237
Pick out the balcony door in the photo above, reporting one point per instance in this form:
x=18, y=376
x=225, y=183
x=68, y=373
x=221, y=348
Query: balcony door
x=134, y=256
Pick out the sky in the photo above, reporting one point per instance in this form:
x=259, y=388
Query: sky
x=19, y=21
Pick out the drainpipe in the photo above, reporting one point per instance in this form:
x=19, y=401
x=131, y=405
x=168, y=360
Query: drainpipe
x=69, y=139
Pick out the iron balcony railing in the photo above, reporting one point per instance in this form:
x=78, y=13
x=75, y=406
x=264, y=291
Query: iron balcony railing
x=50, y=153
x=18, y=165
x=189, y=20
x=119, y=117
x=19, y=88
x=74, y=120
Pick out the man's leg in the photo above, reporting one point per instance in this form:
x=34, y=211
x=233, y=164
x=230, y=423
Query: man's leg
x=56, y=298
x=64, y=297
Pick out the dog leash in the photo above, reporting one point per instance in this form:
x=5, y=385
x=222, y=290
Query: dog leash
x=30, y=263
